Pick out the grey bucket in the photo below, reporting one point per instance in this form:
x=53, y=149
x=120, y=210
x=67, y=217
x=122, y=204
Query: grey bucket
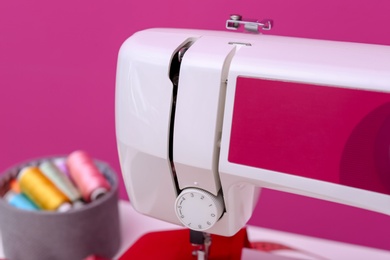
x=42, y=235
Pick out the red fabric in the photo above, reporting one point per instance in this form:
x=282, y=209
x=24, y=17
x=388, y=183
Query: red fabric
x=175, y=245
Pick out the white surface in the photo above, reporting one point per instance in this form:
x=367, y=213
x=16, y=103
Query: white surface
x=315, y=248
x=134, y=225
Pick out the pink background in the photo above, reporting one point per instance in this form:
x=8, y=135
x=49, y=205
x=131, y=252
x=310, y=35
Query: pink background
x=57, y=81
x=321, y=131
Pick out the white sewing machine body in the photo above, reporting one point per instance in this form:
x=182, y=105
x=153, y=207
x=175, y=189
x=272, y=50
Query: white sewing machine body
x=231, y=113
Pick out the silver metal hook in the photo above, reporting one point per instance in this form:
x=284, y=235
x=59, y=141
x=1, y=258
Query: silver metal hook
x=236, y=21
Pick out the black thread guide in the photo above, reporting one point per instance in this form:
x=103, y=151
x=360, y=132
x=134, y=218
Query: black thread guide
x=174, y=73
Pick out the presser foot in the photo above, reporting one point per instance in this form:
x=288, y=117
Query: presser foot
x=201, y=242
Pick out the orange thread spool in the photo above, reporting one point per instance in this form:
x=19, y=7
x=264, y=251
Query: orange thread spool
x=14, y=185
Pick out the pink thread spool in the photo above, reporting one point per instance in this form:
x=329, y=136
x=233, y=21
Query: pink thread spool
x=90, y=181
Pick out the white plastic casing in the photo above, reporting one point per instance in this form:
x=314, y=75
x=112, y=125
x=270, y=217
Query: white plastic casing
x=142, y=111
x=204, y=111
x=198, y=118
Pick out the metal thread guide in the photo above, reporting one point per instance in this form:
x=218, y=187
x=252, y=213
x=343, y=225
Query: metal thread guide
x=235, y=22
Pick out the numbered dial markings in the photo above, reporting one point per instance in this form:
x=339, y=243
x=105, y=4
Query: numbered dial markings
x=198, y=209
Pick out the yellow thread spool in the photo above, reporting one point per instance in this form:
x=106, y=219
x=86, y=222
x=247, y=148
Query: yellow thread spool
x=41, y=190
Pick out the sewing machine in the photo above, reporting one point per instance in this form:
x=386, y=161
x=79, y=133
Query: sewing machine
x=205, y=119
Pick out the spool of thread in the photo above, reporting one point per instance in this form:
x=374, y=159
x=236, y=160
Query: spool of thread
x=60, y=180
x=14, y=185
x=41, y=190
x=90, y=181
x=61, y=165
x=19, y=200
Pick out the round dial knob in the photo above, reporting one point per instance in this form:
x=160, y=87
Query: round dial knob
x=198, y=209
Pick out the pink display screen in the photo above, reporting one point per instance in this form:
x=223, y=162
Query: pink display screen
x=333, y=134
